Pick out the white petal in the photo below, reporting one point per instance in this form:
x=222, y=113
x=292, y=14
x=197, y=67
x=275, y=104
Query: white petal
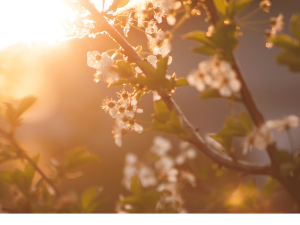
x=153, y=60
x=118, y=141
x=293, y=121
x=225, y=91
x=200, y=85
x=171, y=20
x=170, y=59
x=235, y=85
x=138, y=128
x=139, y=111
x=138, y=70
x=156, y=96
x=91, y=62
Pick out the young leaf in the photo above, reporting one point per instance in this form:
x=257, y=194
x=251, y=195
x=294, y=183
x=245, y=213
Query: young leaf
x=235, y=7
x=224, y=140
x=78, y=157
x=181, y=82
x=206, y=50
x=291, y=59
x=221, y=6
x=161, y=107
x=20, y=180
x=282, y=41
x=295, y=25
x=125, y=69
x=174, y=119
x=162, y=67
x=210, y=93
x=24, y=105
x=146, y=66
x=136, y=188
x=199, y=36
x=88, y=197
x=6, y=176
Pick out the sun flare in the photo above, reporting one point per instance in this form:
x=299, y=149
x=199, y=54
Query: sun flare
x=32, y=20
x=36, y=20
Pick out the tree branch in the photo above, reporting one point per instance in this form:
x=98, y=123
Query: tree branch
x=249, y=103
x=24, y=155
x=194, y=137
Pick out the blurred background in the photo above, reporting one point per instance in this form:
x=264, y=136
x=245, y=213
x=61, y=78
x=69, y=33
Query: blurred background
x=68, y=111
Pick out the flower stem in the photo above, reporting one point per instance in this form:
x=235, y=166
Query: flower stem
x=255, y=22
x=248, y=16
x=254, y=30
x=179, y=24
x=136, y=28
x=289, y=133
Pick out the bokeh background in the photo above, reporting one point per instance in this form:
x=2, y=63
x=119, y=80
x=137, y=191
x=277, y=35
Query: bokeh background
x=68, y=111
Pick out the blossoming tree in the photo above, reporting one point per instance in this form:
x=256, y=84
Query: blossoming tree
x=158, y=183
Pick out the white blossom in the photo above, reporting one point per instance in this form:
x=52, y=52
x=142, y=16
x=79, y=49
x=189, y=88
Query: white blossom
x=161, y=146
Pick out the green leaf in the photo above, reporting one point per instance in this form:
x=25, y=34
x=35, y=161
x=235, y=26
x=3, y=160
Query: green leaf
x=282, y=41
x=239, y=127
x=221, y=6
x=20, y=180
x=161, y=107
x=138, y=48
x=6, y=176
x=210, y=93
x=224, y=140
x=161, y=117
x=291, y=59
x=200, y=36
x=206, y=49
x=146, y=66
x=78, y=157
x=122, y=3
x=295, y=25
x=225, y=36
x=24, y=105
x=136, y=188
x=235, y=7
x=125, y=69
x=10, y=113
x=30, y=170
x=181, y=82
x=88, y=197
x=246, y=122
x=162, y=67
x=272, y=186
x=174, y=119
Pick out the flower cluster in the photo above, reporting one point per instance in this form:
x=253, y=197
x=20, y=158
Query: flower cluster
x=265, y=5
x=158, y=41
x=262, y=137
x=277, y=26
x=104, y=66
x=217, y=74
x=124, y=111
x=163, y=173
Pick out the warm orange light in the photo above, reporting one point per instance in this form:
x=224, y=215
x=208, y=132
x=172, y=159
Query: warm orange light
x=32, y=20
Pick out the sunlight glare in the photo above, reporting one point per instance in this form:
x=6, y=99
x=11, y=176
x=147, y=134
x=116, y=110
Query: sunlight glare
x=32, y=20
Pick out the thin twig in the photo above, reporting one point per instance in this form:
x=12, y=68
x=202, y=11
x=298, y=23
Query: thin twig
x=248, y=16
x=24, y=155
x=179, y=24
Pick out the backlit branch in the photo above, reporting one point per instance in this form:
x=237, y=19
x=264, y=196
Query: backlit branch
x=194, y=137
